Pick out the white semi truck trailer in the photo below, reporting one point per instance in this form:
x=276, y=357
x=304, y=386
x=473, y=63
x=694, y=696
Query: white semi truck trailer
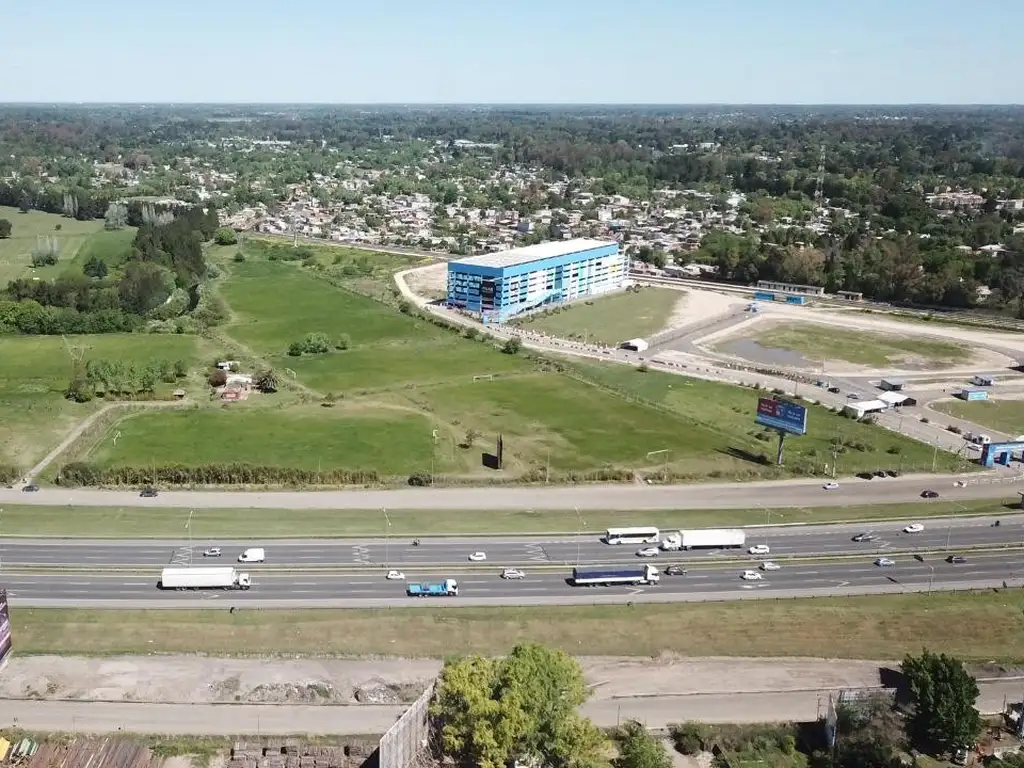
x=219, y=577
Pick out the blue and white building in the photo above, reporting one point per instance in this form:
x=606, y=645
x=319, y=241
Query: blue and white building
x=497, y=286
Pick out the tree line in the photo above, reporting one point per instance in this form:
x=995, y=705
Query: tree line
x=85, y=474
x=119, y=378
x=158, y=281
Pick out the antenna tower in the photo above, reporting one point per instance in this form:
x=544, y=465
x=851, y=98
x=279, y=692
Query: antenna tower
x=819, y=189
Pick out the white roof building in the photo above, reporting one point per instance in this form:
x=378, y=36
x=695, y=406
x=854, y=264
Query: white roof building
x=865, y=407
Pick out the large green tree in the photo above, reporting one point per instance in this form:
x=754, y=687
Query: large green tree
x=491, y=712
x=943, y=693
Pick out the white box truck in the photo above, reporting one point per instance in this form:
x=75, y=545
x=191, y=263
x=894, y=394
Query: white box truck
x=219, y=577
x=704, y=538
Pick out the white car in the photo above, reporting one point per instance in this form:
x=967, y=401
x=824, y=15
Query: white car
x=884, y=562
x=512, y=573
x=830, y=486
x=759, y=549
x=647, y=552
x=396, y=576
x=750, y=576
x=960, y=484
x=478, y=557
x=768, y=565
x=212, y=552
x=913, y=528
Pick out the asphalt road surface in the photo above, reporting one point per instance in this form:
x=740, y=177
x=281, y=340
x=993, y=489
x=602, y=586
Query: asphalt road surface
x=506, y=551
x=371, y=589
x=775, y=494
x=280, y=720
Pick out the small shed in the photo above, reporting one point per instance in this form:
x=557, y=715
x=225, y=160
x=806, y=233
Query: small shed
x=983, y=380
x=892, y=385
x=896, y=399
x=636, y=345
x=861, y=409
x=971, y=395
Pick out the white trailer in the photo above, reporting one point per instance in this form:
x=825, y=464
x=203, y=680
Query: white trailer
x=705, y=538
x=219, y=577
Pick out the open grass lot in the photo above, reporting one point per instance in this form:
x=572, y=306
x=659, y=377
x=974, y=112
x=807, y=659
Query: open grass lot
x=277, y=303
x=302, y=437
x=876, y=627
x=817, y=342
x=582, y=426
x=609, y=320
x=166, y=522
x=111, y=247
x=35, y=371
x=16, y=251
x=1001, y=415
x=728, y=412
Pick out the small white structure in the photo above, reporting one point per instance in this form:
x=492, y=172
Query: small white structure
x=893, y=399
x=892, y=385
x=863, y=408
x=636, y=345
x=983, y=380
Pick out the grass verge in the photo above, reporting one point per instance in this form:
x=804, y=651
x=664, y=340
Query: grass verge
x=1001, y=415
x=608, y=320
x=820, y=342
x=164, y=522
x=875, y=627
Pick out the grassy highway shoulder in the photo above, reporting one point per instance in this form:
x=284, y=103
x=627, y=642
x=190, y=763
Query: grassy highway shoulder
x=978, y=626
x=209, y=524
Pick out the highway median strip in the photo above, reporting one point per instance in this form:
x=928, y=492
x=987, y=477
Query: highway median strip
x=716, y=564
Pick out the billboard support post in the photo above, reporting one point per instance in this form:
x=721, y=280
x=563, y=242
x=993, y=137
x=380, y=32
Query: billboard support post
x=782, y=440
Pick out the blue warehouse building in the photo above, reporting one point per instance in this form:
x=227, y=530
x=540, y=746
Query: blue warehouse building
x=497, y=286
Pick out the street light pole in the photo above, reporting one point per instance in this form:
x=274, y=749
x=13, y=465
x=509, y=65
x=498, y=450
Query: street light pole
x=579, y=535
x=387, y=538
x=931, y=578
x=188, y=527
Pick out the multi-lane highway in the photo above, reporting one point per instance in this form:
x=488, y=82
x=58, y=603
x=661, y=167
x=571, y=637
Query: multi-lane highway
x=774, y=494
x=371, y=589
x=507, y=551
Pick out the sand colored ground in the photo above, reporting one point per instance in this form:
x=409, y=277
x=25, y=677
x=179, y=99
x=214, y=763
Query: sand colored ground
x=201, y=680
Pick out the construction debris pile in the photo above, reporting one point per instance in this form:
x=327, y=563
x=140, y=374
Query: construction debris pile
x=293, y=754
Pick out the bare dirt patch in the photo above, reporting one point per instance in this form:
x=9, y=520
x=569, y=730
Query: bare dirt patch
x=429, y=282
x=200, y=680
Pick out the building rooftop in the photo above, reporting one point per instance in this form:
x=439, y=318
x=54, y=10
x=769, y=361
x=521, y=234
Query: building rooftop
x=530, y=253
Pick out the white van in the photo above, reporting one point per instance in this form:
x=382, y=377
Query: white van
x=253, y=555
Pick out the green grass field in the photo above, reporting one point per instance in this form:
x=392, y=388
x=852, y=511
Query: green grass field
x=818, y=342
x=36, y=370
x=210, y=524
x=16, y=251
x=728, y=412
x=609, y=320
x=111, y=247
x=877, y=627
x=1000, y=415
x=302, y=437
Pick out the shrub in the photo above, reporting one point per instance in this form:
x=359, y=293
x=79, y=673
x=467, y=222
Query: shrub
x=225, y=236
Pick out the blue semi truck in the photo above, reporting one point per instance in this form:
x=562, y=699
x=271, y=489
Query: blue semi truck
x=606, y=577
x=446, y=588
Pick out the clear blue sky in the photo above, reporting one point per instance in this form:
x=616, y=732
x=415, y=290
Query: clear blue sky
x=514, y=51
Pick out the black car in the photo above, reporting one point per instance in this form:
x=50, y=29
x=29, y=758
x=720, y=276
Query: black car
x=148, y=493
x=675, y=570
x=834, y=390
x=880, y=473
x=956, y=559
x=30, y=488
x=929, y=494
x=864, y=537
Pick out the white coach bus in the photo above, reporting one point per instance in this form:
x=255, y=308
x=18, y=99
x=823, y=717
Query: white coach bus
x=632, y=536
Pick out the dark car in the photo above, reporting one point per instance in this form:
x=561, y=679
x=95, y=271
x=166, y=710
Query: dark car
x=956, y=559
x=929, y=494
x=31, y=487
x=834, y=390
x=675, y=570
x=865, y=537
x=880, y=473
x=865, y=475
x=148, y=493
